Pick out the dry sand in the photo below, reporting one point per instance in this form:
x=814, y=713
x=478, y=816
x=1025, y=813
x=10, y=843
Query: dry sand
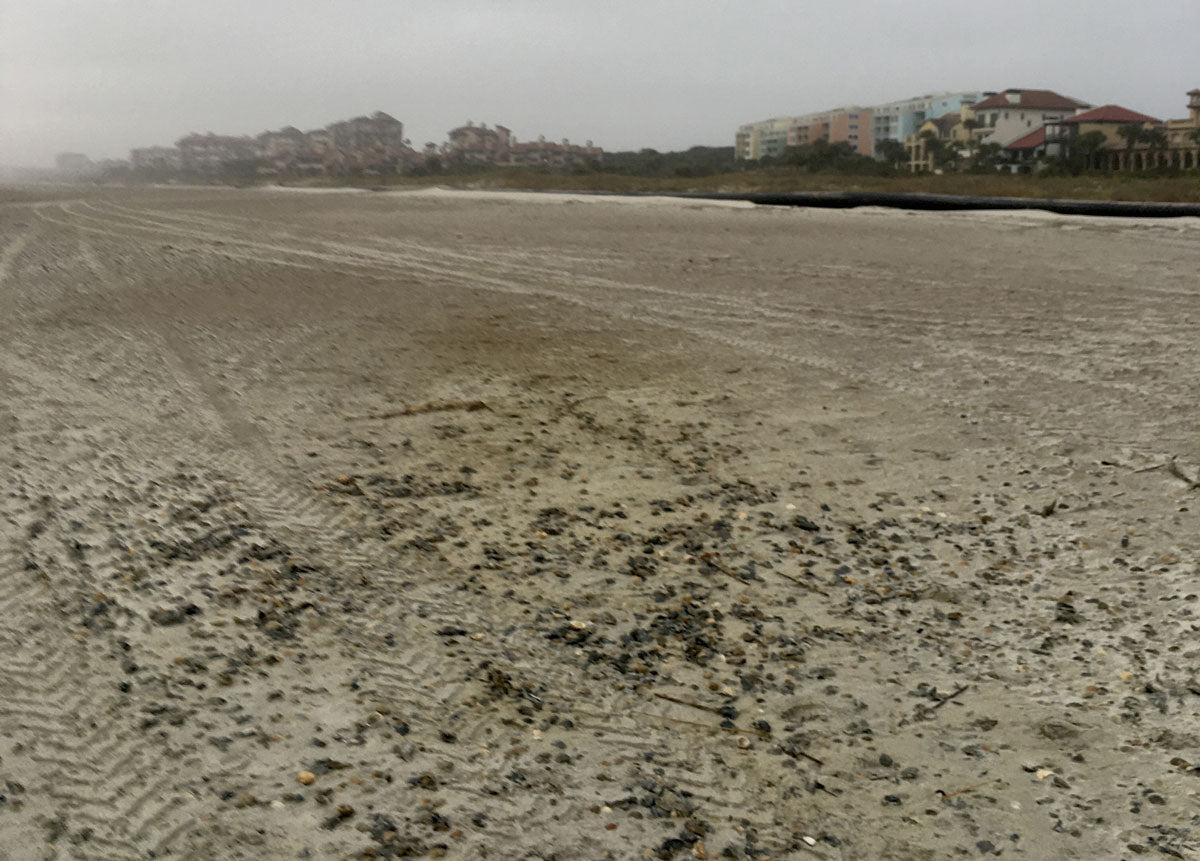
x=581, y=528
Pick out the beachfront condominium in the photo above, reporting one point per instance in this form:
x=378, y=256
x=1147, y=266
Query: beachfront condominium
x=763, y=139
x=861, y=127
x=896, y=120
x=770, y=138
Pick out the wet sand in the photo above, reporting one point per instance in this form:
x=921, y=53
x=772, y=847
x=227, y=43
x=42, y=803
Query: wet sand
x=491, y=525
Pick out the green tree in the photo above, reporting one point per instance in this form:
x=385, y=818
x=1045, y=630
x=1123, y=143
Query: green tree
x=987, y=157
x=972, y=142
x=891, y=152
x=1133, y=133
x=1156, y=141
x=935, y=148
x=1082, y=149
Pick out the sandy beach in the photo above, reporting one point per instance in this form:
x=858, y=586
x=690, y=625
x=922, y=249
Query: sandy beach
x=502, y=525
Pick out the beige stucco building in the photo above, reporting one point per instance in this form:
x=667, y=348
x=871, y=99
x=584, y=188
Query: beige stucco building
x=1183, y=143
x=764, y=138
x=1014, y=114
x=949, y=130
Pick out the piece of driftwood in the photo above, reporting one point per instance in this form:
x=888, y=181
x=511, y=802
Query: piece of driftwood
x=1173, y=468
x=466, y=406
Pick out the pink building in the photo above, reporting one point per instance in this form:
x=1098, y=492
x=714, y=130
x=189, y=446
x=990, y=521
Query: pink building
x=849, y=124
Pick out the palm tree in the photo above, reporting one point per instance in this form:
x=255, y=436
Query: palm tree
x=1156, y=140
x=1082, y=149
x=934, y=147
x=1133, y=133
x=969, y=126
x=891, y=152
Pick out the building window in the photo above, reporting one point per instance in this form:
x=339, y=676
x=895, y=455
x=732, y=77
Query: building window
x=854, y=126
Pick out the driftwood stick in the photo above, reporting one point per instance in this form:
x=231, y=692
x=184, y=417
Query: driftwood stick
x=468, y=406
x=712, y=560
x=945, y=700
x=809, y=586
x=1173, y=468
x=682, y=702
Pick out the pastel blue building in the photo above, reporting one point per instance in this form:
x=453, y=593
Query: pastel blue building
x=896, y=119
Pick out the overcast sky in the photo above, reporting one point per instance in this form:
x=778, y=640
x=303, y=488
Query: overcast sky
x=101, y=76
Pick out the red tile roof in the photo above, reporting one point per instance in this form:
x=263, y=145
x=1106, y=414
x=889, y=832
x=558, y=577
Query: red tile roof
x=1038, y=100
x=1110, y=114
x=1033, y=140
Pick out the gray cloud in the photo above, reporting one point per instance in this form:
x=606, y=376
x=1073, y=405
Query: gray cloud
x=105, y=75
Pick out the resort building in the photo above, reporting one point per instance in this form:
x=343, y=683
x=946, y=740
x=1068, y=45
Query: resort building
x=897, y=120
x=1013, y=114
x=1183, y=136
x=1116, y=152
x=765, y=138
x=849, y=124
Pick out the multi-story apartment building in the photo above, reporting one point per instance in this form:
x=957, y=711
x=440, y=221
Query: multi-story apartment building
x=772, y=137
x=378, y=133
x=477, y=144
x=764, y=138
x=551, y=154
x=851, y=124
x=210, y=153
x=282, y=144
x=371, y=144
x=859, y=126
x=897, y=120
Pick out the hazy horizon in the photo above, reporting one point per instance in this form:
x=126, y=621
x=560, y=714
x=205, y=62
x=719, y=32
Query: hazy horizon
x=113, y=75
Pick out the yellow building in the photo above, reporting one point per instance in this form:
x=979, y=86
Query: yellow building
x=1178, y=148
x=1108, y=120
x=948, y=133
x=1183, y=136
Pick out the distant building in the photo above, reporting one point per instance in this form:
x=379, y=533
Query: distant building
x=851, y=125
x=1183, y=136
x=477, y=144
x=897, y=120
x=372, y=145
x=943, y=133
x=761, y=139
x=1114, y=153
x=213, y=154
x=1013, y=114
x=366, y=146
x=860, y=126
x=1026, y=153
x=546, y=153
